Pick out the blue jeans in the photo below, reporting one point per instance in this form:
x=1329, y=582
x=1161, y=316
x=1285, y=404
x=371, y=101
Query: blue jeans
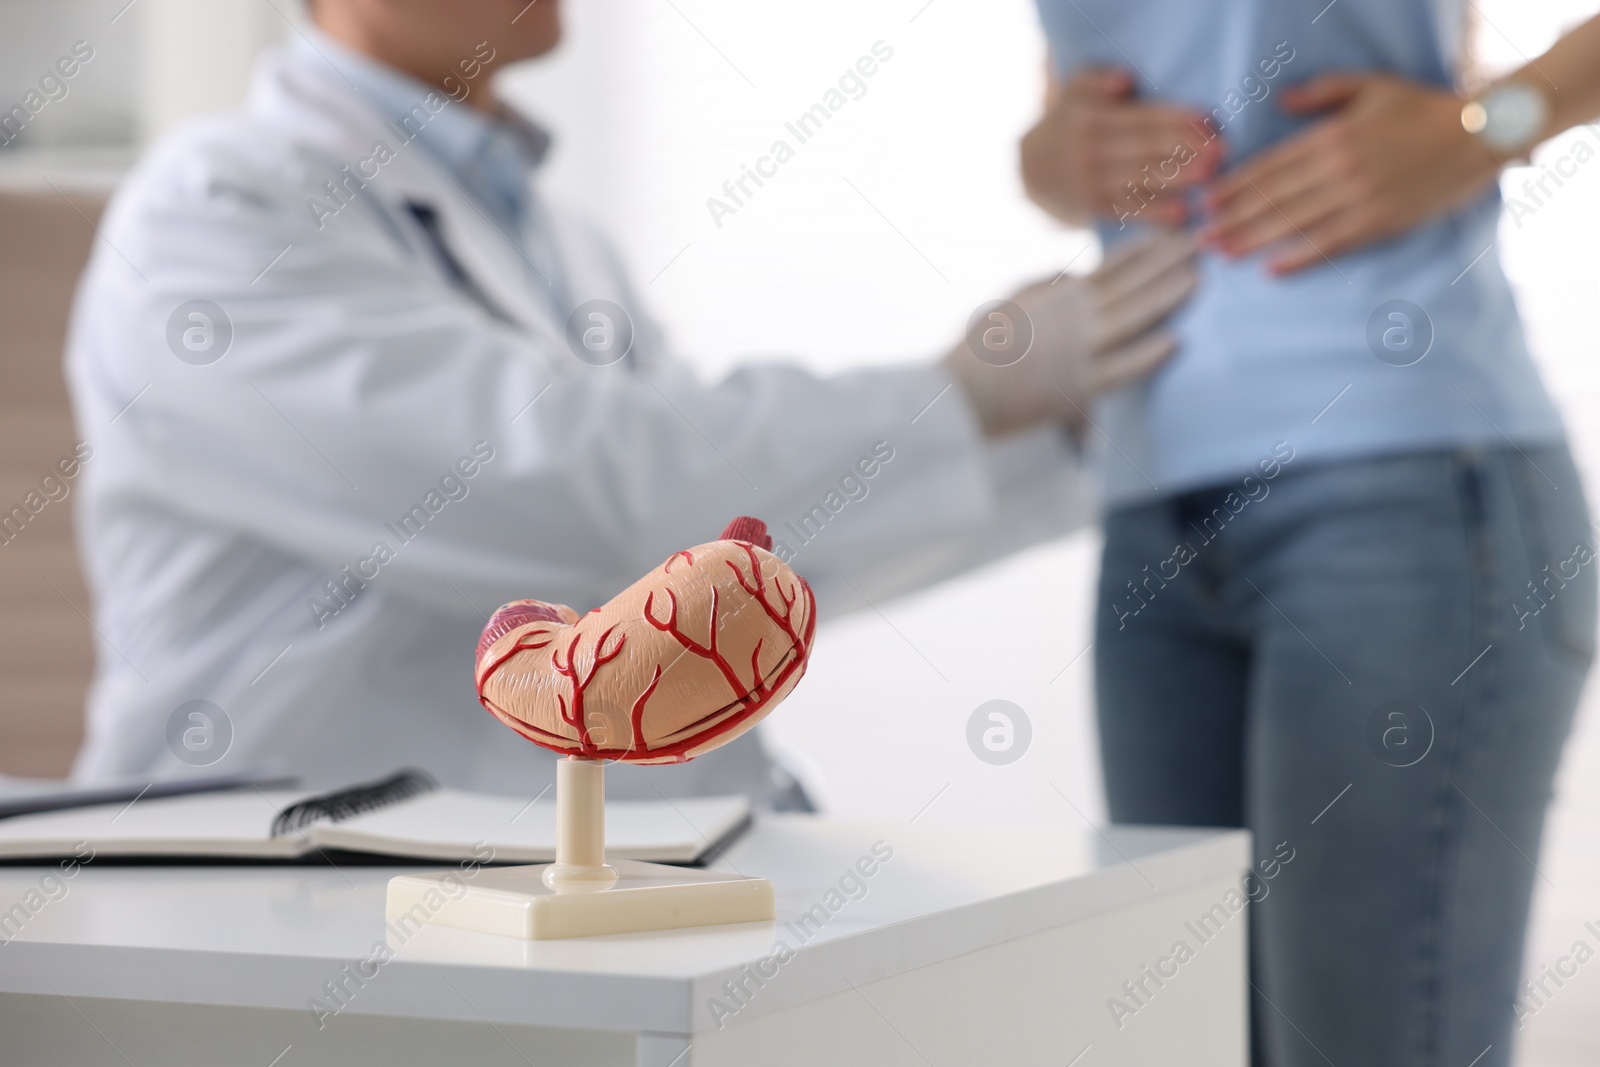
x=1377, y=662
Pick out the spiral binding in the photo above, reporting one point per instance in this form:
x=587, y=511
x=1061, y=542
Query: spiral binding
x=341, y=804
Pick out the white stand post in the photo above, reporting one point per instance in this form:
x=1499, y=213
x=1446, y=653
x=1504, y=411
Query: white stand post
x=580, y=864
x=580, y=894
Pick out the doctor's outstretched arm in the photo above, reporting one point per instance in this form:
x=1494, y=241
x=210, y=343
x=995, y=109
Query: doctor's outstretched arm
x=356, y=396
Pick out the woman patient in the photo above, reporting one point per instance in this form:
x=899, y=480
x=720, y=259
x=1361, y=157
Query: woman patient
x=1346, y=597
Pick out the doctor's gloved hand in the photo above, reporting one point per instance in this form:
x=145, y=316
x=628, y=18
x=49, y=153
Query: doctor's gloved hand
x=1046, y=353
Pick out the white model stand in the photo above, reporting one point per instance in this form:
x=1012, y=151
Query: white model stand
x=580, y=894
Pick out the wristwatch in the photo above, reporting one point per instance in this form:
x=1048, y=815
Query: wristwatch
x=1508, y=118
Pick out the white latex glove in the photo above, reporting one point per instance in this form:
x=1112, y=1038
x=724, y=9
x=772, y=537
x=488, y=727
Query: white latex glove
x=1046, y=353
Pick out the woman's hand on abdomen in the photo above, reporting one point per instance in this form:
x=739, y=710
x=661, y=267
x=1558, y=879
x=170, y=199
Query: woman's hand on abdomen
x=1390, y=154
x=1098, y=153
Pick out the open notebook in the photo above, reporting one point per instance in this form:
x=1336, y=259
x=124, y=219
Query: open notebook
x=405, y=815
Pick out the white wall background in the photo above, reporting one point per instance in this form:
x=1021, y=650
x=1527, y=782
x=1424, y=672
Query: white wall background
x=101, y=105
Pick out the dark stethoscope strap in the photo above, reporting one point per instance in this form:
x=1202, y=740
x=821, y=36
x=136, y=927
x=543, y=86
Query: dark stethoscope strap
x=426, y=217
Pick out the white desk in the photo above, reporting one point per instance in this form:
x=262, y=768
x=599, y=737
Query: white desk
x=967, y=947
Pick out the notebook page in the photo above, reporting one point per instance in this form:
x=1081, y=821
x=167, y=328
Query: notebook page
x=447, y=824
x=237, y=823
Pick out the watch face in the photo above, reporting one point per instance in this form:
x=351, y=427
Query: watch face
x=1513, y=116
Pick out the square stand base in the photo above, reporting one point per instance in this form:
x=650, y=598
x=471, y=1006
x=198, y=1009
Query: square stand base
x=515, y=902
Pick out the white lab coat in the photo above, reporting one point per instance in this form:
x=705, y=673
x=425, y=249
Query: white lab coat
x=222, y=498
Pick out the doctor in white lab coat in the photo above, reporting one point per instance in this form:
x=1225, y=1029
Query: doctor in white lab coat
x=351, y=384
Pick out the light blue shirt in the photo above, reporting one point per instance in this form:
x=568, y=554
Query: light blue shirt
x=490, y=158
x=1263, y=360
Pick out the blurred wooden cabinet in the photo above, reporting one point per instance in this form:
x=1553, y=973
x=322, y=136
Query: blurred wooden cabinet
x=46, y=643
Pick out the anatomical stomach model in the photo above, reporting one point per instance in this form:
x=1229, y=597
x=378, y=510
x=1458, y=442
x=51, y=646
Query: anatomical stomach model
x=684, y=660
